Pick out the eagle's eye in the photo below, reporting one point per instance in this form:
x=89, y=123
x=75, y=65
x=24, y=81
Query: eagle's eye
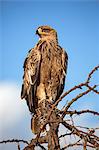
x=46, y=30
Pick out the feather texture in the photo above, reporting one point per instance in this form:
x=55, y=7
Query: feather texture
x=30, y=78
x=44, y=70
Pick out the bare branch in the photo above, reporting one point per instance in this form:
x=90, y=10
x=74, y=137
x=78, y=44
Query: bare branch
x=42, y=147
x=76, y=144
x=81, y=134
x=36, y=141
x=79, y=112
x=14, y=141
x=75, y=99
x=91, y=73
x=19, y=146
x=61, y=136
x=71, y=145
x=92, y=88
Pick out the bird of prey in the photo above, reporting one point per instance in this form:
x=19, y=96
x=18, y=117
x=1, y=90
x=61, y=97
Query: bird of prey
x=44, y=70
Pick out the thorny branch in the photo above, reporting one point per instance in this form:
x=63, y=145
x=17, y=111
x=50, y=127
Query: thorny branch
x=82, y=134
x=14, y=141
x=76, y=144
x=55, y=117
x=17, y=141
x=80, y=112
x=75, y=99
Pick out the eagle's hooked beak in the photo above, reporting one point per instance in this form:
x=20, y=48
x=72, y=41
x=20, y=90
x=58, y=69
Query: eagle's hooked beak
x=36, y=32
x=39, y=31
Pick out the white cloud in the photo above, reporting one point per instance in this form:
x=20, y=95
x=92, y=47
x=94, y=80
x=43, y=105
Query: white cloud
x=12, y=108
x=15, y=119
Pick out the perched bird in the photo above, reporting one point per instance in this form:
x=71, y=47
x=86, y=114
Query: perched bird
x=44, y=70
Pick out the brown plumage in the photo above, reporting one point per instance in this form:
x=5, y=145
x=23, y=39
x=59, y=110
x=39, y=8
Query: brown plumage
x=44, y=70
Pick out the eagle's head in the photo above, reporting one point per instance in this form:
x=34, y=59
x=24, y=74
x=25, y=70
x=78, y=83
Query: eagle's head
x=46, y=31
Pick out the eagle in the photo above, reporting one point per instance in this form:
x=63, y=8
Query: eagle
x=45, y=69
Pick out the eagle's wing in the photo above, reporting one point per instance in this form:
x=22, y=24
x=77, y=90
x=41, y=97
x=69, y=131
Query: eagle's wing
x=31, y=78
x=62, y=74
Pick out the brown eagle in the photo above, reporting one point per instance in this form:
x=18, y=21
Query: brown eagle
x=44, y=70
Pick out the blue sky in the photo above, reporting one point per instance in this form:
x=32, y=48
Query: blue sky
x=77, y=24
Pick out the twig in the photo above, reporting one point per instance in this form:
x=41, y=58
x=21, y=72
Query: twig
x=65, y=134
x=75, y=99
x=14, y=141
x=90, y=74
x=76, y=144
x=37, y=141
x=42, y=147
x=92, y=88
x=19, y=146
x=79, y=112
x=70, y=145
x=81, y=134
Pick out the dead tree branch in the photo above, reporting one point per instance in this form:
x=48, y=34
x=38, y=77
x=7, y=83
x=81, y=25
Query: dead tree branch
x=14, y=141
x=80, y=112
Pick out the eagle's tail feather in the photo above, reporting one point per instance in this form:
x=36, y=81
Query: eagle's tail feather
x=23, y=92
x=31, y=99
